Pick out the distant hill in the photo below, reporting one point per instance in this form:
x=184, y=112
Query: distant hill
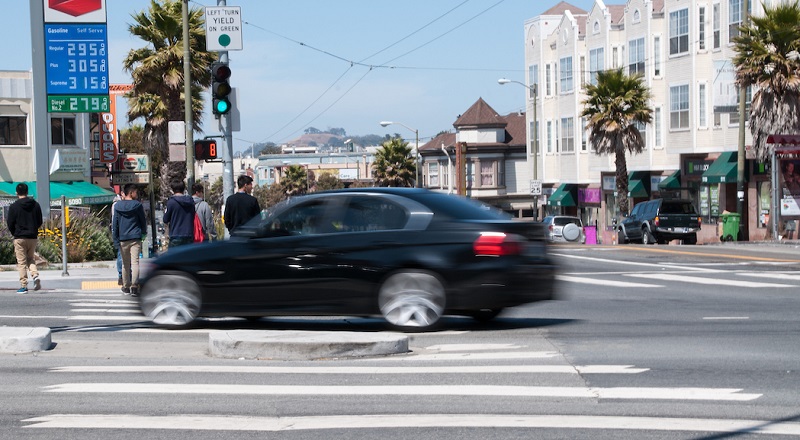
x=319, y=139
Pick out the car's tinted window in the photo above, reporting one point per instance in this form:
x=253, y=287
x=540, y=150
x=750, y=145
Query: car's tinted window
x=561, y=221
x=372, y=214
x=652, y=208
x=460, y=207
x=637, y=209
x=677, y=208
x=304, y=218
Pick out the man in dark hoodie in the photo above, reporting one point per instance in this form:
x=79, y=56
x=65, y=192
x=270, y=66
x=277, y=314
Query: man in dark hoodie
x=127, y=228
x=179, y=216
x=24, y=219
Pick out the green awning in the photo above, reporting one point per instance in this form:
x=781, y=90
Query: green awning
x=673, y=181
x=636, y=189
x=723, y=169
x=563, y=196
x=77, y=193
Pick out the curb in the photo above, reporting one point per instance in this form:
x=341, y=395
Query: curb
x=302, y=345
x=24, y=339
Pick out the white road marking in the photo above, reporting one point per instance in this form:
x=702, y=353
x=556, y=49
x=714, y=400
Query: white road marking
x=100, y=310
x=484, y=369
x=609, y=283
x=138, y=317
x=379, y=421
x=778, y=276
x=466, y=356
x=710, y=281
x=472, y=347
x=633, y=263
x=715, y=394
x=105, y=304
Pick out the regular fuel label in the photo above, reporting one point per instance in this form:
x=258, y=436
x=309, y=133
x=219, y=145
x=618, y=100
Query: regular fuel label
x=76, y=56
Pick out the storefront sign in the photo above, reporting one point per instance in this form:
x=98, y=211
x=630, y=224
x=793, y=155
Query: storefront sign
x=609, y=183
x=589, y=196
x=696, y=167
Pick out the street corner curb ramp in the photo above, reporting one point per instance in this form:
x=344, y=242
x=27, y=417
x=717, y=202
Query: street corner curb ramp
x=302, y=345
x=24, y=339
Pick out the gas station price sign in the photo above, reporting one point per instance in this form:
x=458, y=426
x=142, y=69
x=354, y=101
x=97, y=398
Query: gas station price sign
x=76, y=56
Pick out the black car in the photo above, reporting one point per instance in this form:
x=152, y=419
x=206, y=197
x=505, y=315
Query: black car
x=410, y=255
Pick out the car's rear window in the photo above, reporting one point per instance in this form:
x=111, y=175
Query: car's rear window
x=561, y=221
x=460, y=207
x=677, y=208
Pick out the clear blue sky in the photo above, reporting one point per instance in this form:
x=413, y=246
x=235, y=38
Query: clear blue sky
x=444, y=54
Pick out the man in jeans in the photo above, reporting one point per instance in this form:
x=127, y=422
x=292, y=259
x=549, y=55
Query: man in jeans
x=24, y=219
x=179, y=216
x=128, y=228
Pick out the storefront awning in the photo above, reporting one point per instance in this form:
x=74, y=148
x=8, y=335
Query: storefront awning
x=77, y=193
x=723, y=170
x=673, y=181
x=638, y=182
x=564, y=195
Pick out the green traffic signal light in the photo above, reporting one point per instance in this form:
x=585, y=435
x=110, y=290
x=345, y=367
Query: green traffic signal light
x=221, y=106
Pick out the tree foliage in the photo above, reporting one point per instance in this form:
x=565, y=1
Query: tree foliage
x=394, y=164
x=328, y=181
x=158, y=82
x=767, y=57
x=612, y=108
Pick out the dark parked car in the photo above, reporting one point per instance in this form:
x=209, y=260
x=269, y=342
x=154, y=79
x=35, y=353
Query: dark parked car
x=660, y=221
x=409, y=255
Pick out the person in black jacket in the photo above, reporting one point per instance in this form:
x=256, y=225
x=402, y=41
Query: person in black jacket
x=241, y=207
x=24, y=220
x=179, y=216
x=128, y=226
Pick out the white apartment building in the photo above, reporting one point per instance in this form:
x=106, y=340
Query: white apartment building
x=683, y=50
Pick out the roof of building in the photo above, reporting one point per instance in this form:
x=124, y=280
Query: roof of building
x=561, y=7
x=480, y=114
x=617, y=13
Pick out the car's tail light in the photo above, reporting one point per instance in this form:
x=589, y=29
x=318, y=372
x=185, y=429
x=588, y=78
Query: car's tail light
x=550, y=228
x=656, y=221
x=495, y=244
x=699, y=221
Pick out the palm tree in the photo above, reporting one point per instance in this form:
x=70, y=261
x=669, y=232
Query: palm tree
x=157, y=72
x=394, y=165
x=613, y=107
x=295, y=181
x=767, y=57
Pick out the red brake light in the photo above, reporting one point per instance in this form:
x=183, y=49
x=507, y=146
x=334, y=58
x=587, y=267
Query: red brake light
x=496, y=244
x=656, y=221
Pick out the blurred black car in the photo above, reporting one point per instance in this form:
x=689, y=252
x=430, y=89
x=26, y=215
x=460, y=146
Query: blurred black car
x=410, y=255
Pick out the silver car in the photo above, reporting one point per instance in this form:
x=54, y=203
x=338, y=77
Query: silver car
x=564, y=228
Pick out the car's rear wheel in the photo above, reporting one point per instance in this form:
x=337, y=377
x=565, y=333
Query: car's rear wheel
x=647, y=237
x=171, y=299
x=692, y=239
x=412, y=300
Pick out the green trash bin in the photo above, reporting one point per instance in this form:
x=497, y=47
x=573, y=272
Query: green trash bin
x=730, y=226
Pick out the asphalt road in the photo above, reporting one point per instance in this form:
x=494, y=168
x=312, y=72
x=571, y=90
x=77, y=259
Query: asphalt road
x=646, y=343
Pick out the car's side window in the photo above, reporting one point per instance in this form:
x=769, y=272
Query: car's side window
x=372, y=214
x=308, y=218
x=636, y=210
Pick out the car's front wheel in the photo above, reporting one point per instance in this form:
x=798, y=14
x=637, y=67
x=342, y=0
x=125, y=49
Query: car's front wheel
x=171, y=299
x=412, y=300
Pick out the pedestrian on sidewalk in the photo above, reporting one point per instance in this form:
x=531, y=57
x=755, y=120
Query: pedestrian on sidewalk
x=241, y=207
x=117, y=198
x=24, y=220
x=128, y=229
x=179, y=216
x=204, y=212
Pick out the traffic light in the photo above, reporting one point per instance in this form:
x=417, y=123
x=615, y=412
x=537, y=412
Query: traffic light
x=220, y=88
x=205, y=149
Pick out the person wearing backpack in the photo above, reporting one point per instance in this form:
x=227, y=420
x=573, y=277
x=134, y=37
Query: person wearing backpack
x=203, y=212
x=179, y=216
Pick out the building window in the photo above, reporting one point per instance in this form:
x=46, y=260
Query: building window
x=702, y=120
x=679, y=107
x=568, y=135
x=13, y=130
x=701, y=22
x=614, y=55
x=679, y=32
x=585, y=136
x=734, y=18
x=715, y=24
x=533, y=80
x=657, y=55
x=549, y=136
x=596, y=27
x=444, y=175
x=565, y=74
x=548, y=79
x=582, y=72
x=657, y=126
x=596, y=64
x=487, y=173
x=642, y=127
x=62, y=131
x=433, y=174
x=532, y=134
x=636, y=57
x=637, y=16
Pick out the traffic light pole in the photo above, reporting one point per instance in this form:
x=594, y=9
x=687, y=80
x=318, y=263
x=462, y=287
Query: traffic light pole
x=187, y=93
x=225, y=129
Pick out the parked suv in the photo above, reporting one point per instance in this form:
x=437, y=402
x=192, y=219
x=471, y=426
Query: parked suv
x=564, y=228
x=661, y=220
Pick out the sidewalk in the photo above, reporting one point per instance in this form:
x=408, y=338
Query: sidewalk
x=80, y=276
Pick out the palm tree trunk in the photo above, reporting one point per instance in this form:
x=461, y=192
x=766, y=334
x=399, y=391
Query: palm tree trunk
x=622, y=180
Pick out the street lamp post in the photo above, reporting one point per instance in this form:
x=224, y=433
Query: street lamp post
x=416, y=144
x=535, y=143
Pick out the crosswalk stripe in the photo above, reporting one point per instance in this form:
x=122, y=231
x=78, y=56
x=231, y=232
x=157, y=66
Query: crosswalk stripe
x=465, y=356
x=105, y=304
x=382, y=421
x=457, y=369
x=715, y=394
x=610, y=283
x=711, y=281
x=101, y=310
x=772, y=275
